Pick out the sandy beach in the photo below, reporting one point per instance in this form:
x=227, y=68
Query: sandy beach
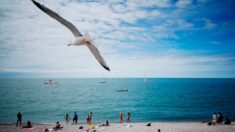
x=135, y=127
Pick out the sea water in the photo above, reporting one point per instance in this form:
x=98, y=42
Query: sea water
x=151, y=99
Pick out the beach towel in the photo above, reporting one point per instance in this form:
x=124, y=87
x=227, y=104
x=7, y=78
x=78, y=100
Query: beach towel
x=91, y=126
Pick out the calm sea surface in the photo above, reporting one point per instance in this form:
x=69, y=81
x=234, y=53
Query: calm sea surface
x=153, y=100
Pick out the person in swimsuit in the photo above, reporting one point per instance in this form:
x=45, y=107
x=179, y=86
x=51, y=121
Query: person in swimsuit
x=90, y=117
x=67, y=118
x=128, y=120
x=88, y=120
x=58, y=126
x=121, y=117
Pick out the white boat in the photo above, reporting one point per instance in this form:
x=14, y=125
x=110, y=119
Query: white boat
x=50, y=82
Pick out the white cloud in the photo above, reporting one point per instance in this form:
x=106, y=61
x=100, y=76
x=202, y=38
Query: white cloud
x=138, y=64
x=183, y=3
x=169, y=28
x=209, y=24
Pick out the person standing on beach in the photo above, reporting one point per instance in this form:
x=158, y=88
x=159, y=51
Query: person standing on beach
x=90, y=117
x=214, y=118
x=75, y=118
x=121, y=117
x=67, y=118
x=19, y=119
x=88, y=120
x=128, y=120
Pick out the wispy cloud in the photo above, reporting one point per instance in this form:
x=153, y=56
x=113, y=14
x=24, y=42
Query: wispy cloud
x=183, y=3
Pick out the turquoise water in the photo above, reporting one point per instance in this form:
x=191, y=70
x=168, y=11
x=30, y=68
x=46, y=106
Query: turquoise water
x=153, y=100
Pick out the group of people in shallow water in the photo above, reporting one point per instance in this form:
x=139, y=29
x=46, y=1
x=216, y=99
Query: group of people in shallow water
x=67, y=119
x=128, y=118
x=89, y=118
x=218, y=118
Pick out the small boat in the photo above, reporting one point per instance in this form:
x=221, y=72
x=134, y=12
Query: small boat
x=122, y=90
x=51, y=82
x=102, y=82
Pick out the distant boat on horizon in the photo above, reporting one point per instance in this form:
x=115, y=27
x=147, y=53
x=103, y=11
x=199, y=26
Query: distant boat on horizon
x=102, y=82
x=122, y=90
x=50, y=82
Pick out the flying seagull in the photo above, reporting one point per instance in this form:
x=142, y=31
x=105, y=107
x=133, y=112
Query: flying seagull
x=79, y=38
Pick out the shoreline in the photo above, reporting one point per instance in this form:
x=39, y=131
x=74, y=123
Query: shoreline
x=129, y=127
x=83, y=123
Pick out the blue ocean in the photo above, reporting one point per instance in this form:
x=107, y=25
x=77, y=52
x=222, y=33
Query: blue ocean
x=151, y=99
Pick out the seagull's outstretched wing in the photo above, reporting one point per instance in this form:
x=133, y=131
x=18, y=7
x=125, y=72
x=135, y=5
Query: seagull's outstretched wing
x=97, y=55
x=54, y=15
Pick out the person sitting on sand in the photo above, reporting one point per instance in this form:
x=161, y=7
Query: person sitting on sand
x=28, y=125
x=227, y=121
x=106, y=124
x=58, y=126
x=148, y=124
x=75, y=118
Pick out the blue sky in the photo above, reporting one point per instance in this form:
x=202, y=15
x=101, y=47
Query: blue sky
x=137, y=38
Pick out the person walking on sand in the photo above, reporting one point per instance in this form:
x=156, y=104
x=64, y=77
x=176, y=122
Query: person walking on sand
x=75, y=118
x=67, y=118
x=121, y=117
x=128, y=120
x=19, y=119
